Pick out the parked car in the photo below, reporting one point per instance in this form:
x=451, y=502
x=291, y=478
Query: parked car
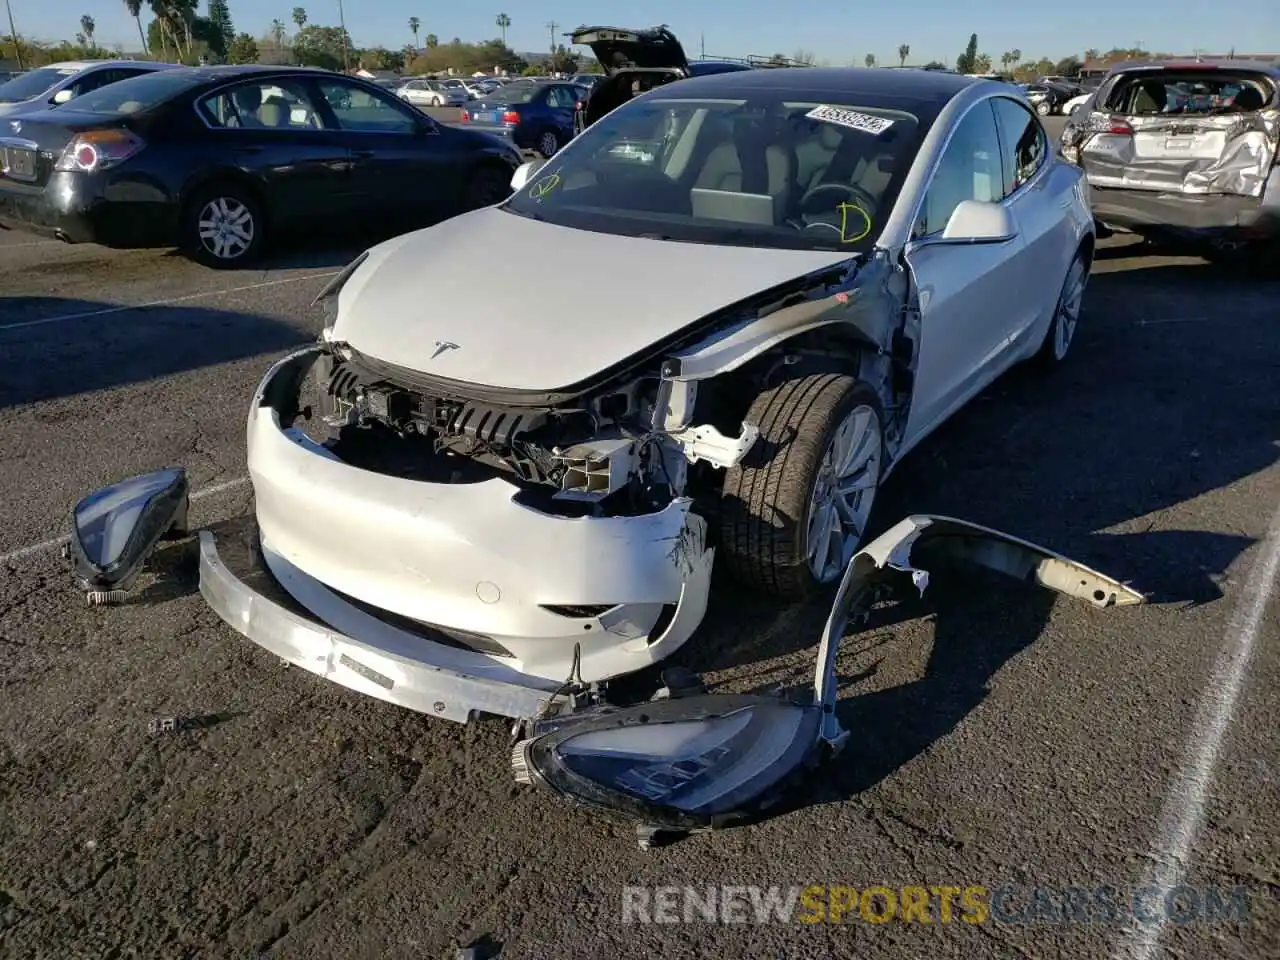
x=431, y=93
x=534, y=116
x=219, y=160
x=484, y=488
x=1049, y=99
x=1186, y=151
x=51, y=86
x=635, y=61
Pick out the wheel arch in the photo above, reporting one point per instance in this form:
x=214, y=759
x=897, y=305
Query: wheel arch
x=230, y=175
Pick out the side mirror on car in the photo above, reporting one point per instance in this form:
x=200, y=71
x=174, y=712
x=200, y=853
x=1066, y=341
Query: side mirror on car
x=524, y=173
x=62, y=96
x=979, y=221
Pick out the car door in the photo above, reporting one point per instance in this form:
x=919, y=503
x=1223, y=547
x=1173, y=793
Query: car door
x=1034, y=198
x=272, y=130
x=560, y=100
x=401, y=165
x=968, y=294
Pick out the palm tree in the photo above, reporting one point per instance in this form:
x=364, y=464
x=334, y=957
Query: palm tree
x=414, y=25
x=869, y=59
x=277, y=33
x=87, y=27
x=1015, y=56
x=904, y=51
x=300, y=17
x=432, y=41
x=503, y=21
x=135, y=10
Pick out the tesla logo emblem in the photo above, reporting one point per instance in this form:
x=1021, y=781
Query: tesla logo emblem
x=443, y=346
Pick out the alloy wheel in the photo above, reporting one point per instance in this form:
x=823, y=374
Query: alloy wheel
x=843, y=494
x=1068, y=313
x=548, y=144
x=226, y=228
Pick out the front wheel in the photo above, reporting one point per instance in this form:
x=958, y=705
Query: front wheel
x=489, y=184
x=223, y=227
x=1043, y=108
x=795, y=510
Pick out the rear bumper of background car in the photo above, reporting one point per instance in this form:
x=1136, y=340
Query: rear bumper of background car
x=435, y=572
x=1191, y=215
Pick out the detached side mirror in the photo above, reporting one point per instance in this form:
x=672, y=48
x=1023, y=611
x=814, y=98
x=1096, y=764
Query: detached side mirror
x=978, y=221
x=116, y=528
x=62, y=96
x=524, y=173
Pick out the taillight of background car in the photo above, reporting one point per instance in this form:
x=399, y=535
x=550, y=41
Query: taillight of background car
x=511, y=117
x=466, y=117
x=97, y=150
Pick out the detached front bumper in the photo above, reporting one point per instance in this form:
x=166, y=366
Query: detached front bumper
x=438, y=571
x=238, y=586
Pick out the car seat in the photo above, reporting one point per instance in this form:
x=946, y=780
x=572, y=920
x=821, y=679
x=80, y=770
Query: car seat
x=754, y=160
x=1248, y=100
x=246, y=101
x=274, y=112
x=1152, y=97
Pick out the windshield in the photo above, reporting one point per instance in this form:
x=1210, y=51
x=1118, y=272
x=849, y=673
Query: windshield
x=136, y=93
x=514, y=93
x=762, y=172
x=32, y=84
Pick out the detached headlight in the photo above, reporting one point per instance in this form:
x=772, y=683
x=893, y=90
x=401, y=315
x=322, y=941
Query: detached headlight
x=115, y=529
x=683, y=764
x=327, y=299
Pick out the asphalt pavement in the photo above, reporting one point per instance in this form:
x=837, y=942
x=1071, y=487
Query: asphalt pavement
x=1000, y=737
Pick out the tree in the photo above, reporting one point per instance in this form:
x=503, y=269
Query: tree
x=1015, y=56
x=869, y=59
x=276, y=32
x=503, y=21
x=223, y=34
x=1068, y=67
x=1092, y=54
x=982, y=64
x=562, y=61
x=242, y=49
x=300, y=17
x=135, y=10
x=87, y=27
x=432, y=41
x=414, y=25
x=804, y=57
x=904, y=51
x=320, y=46
x=967, y=61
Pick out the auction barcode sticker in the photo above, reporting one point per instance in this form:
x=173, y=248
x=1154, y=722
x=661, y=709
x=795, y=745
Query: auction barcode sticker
x=850, y=118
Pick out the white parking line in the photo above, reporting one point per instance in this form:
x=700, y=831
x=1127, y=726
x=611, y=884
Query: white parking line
x=30, y=551
x=163, y=303
x=1185, y=807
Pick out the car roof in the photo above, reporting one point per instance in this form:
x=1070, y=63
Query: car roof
x=86, y=64
x=1251, y=66
x=926, y=86
x=232, y=71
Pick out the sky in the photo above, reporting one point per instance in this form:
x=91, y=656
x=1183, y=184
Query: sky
x=834, y=30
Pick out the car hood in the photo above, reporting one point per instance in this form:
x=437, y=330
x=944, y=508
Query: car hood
x=548, y=307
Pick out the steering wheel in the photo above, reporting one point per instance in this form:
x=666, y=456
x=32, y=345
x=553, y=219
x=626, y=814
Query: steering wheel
x=828, y=216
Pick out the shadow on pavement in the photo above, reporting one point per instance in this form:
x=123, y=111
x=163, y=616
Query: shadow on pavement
x=113, y=347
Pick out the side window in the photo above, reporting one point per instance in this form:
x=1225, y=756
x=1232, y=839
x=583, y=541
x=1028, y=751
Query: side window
x=1022, y=141
x=969, y=170
x=359, y=109
x=93, y=80
x=561, y=98
x=261, y=105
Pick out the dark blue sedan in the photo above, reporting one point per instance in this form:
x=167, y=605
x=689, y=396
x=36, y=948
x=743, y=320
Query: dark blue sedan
x=534, y=116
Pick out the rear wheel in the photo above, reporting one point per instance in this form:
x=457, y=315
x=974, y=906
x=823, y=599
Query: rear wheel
x=1066, y=315
x=795, y=510
x=223, y=226
x=548, y=143
x=1043, y=108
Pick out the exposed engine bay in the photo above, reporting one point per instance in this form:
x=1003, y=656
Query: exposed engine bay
x=602, y=456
